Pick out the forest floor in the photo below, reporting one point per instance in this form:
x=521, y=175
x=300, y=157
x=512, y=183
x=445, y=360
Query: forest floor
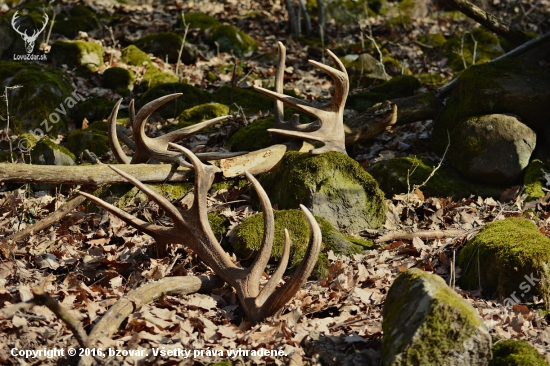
x=345, y=307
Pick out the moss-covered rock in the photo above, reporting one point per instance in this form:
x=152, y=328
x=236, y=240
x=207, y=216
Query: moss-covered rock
x=252, y=137
x=47, y=152
x=199, y=20
x=203, y=112
x=487, y=48
x=134, y=56
x=77, y=19
x=517, y=85
x=153, y=77
x=89, y=139
x=118, y=79
x=84, y=54
x=192, y=96
x=493, y=149
x=43, y=90
x=432, y=39
x=249, y=234
x=364, y=69
x=166, y=45
x=514, y=352
x=331, y=185
x=398, y=87
x=532, y=180
x=230, y=39
x=391, y=175
x=425, y=322
x=94, y=109
x=251, y=101
x=508, y=252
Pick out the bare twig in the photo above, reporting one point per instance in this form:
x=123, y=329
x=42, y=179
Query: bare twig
x=182, y=43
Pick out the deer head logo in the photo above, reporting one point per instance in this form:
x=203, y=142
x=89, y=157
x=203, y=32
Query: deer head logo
x=29, y=40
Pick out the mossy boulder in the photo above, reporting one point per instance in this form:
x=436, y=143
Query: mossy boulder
x=249, y=234
x=253, y=136
x=43, y=90
x=251, y=101
x=166, y=45
x=493, y=149
x=532, y=180
x=89, y=139
x=153, y=77
x=47, y=152
x=203, y=112
x=77, y=54
x=332, y=185
x=425, y=322
x=199, y=20
x=191, y=97
x=134, y=56
x=517, y=85
x=230, y=39
x=432, y=39
x=512, y=255
x=487, y=48
x=515, y=352
x=401, y=86
x=391, y=175
x=94, y=109
x=118, y=79
x=77, y=19
x=364, y=69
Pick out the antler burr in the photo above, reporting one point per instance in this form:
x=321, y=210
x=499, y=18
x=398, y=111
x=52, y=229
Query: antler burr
x=191, y=228
x=329, y=128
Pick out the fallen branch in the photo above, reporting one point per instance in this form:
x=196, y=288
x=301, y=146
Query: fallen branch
x=489, y=21
x=61, y=212
x=425, y=234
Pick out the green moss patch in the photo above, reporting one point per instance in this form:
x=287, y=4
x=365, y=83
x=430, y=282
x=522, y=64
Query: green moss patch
x=47, y=152
x=116, y=78
x=250, y=100
x=191, y=97
x=94, y=109
x=134, y=56
x=199, y=20
x=166, y=45
x=446, y=182
x=513, y=352
x=488, y=47
x=230, y=39
x=92, y=140
x=249, y=234
x=506, y=252
x=77, y=53
x=532, y=180
x=252, y=137
x=78, y=19
x=328, y=184
x=203, y=112
x=153, y=77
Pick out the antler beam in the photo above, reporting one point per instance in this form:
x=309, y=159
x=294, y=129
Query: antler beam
x=191, y=228
x=329, y=128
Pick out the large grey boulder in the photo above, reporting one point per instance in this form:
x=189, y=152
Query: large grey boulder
x=332, y=185
x=492, y=149
x=427, y=323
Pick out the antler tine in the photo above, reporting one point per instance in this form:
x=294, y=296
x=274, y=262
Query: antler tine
x=341, y=82
x=157, y=232
x=258, y=266
x=277, y=275
x=170, y=209
x=279, y=80
x=284, y=293
x=113, y=135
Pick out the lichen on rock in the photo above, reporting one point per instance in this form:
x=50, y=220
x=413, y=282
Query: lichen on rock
x=507, y=252
x=425, y=322
x=332, y=185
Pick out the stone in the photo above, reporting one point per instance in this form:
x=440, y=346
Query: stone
x=94, y=109
x=248, y=238
x=532, y=180
x=89, y=139
x=191, y=97
x=517, y=353
x=363, y=69
x=134, y=56
x=513, y=257
x=87, y=55
x=391, y=175
x=516, y=85
x=230, y=39
x=79, y=18
x=254, y=136
x=166, y=46
x=47, y=152
x=493, y=149
x=487, y=47
x=425, y=322
x=332, y=185
x=118, y=79
x=45, y=91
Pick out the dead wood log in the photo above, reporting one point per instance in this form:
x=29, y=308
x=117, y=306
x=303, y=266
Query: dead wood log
x=424, y=234
x=489, y=21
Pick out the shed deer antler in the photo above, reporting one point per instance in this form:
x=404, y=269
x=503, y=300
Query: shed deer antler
x=191, y=228
x=147, y=148
x=29, y=40
x=329, y=128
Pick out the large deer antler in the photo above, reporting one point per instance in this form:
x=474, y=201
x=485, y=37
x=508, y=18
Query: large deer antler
x=29, y=40
x=191, y=228
x=329, y=128
x=147, y=148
